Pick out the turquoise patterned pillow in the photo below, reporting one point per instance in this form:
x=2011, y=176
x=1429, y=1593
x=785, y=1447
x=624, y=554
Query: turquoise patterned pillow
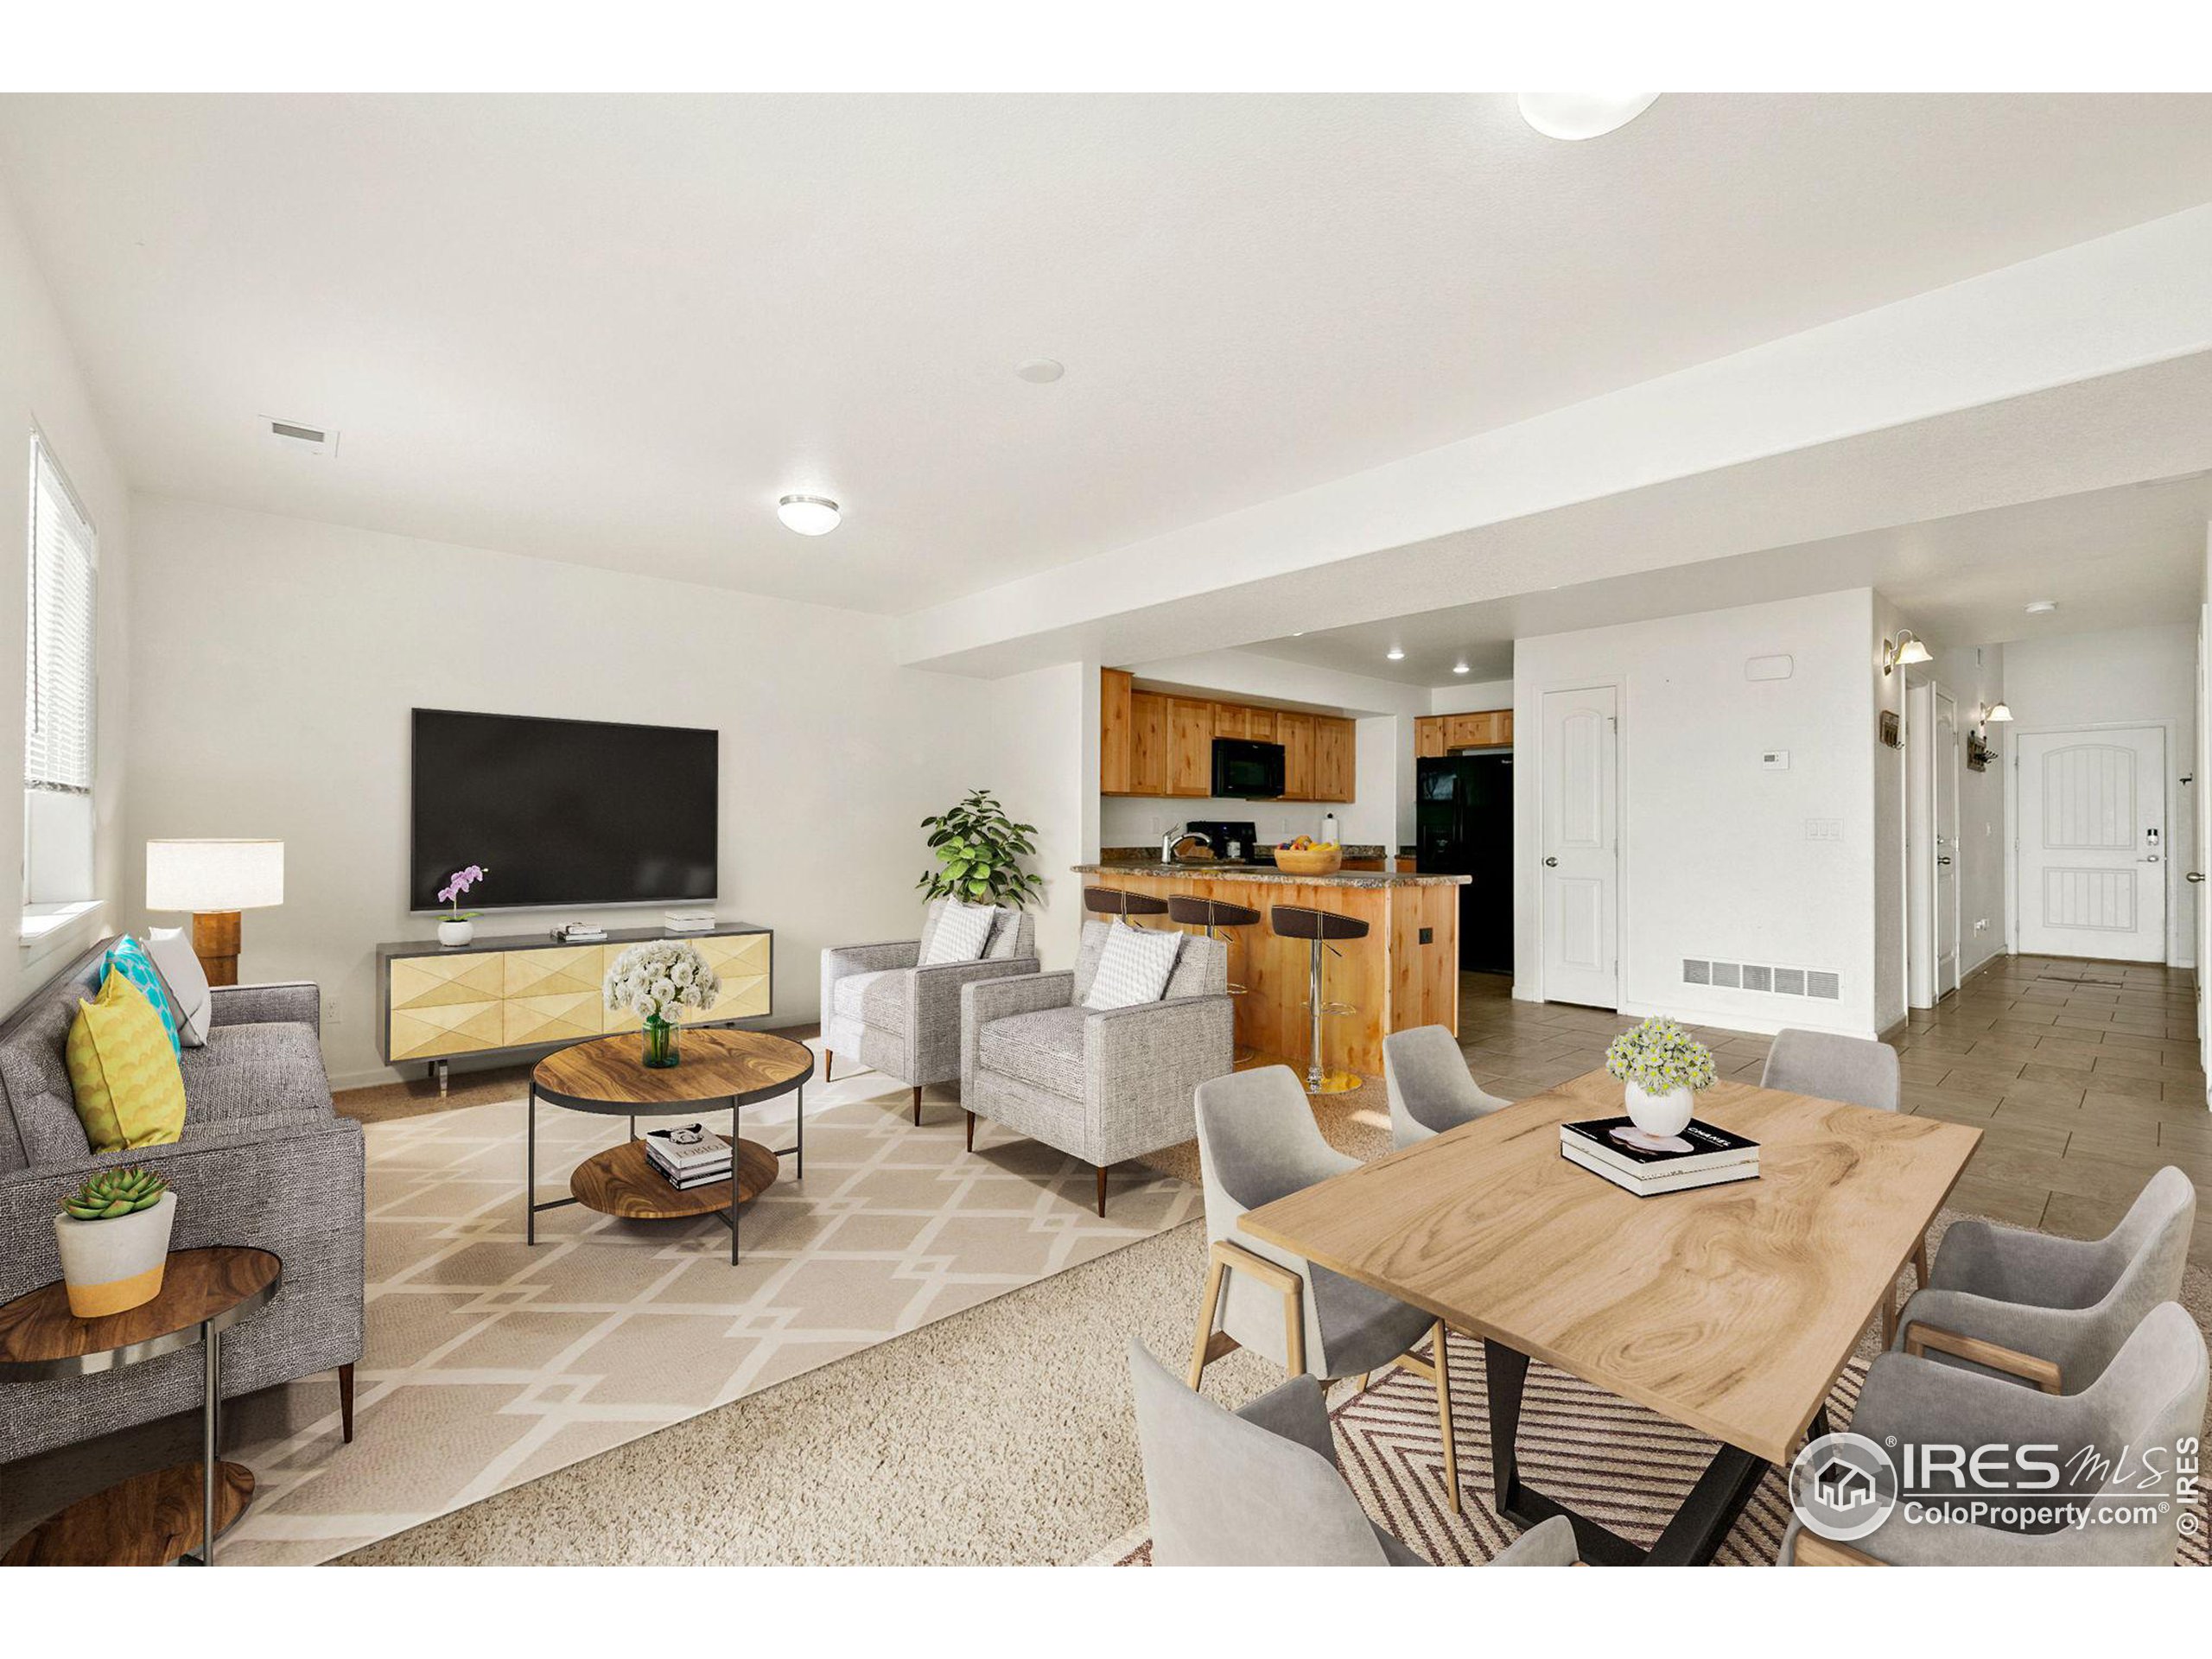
x=128, y=957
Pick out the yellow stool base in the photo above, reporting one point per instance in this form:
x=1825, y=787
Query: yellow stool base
x=1334, y=1083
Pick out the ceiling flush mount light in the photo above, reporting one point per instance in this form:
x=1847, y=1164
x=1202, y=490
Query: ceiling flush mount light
x=1582, y=115
x=1396, y=653
x=1458, y=668
x=1904, y=650
x=2041, y=607
x=809, y=515
x=1040, y=370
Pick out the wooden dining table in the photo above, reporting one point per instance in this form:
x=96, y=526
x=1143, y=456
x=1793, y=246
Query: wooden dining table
x=1730, y=1309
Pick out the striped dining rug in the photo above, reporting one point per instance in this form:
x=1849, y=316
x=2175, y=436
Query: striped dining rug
x=1613, y=1461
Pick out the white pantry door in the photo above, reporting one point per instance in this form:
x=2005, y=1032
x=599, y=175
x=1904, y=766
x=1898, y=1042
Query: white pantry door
x=1580, y=869
x=1947, y=760
x=2092, y=859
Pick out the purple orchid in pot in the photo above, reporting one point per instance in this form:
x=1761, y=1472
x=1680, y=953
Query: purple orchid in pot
x=458, y=926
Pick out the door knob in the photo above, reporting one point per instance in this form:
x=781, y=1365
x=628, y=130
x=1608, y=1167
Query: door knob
x=1551, y=863
x=2151, y=859
x=1943, y=861
x=2194, y=876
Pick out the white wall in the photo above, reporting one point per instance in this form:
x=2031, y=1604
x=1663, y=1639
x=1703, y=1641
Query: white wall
x=1888, y=920
x=2127, y=676
x=273, y=696
x=40, y=384
x=1715, y=861
x=1479, y=698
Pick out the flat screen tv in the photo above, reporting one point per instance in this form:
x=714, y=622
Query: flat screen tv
x=562, y=812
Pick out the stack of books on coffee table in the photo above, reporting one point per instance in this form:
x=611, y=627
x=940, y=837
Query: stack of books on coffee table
x=689, y=1155
x=1644, y=1164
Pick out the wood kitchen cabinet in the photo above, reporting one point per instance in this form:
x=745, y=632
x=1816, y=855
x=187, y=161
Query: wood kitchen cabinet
x=1428, y=737
x=1147, y=744
x=1260, y=725
x=1295, y=733
x=1439, y=734
x=1232, y=720
x=1332, y=759
x=1115, y=737
x=1190, y=746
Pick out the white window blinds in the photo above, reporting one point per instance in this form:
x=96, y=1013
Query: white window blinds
x=58, y=699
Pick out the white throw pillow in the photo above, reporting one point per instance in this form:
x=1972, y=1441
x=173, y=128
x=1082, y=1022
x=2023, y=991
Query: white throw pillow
x=1135, y=967
x=186, y=980
x=961, y=933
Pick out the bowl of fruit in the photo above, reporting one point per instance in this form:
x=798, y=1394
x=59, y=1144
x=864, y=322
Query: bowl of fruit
x=1307, y=856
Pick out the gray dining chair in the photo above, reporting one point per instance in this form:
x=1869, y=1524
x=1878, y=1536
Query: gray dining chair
x=2051, y=1312
x=1429, y=1086
x=1258, y=1143
x=1261, y=1487
x=1859, y=1071
x=2151, y=1395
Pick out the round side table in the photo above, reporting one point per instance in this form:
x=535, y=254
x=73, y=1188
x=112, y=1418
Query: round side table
x=720, y=1071
x=149, y=1520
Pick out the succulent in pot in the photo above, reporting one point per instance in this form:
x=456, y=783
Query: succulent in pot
x=1664, y=1067
x=113, y=1234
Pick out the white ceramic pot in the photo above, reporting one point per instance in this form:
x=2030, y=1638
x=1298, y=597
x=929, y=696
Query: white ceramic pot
x=109, y=1266
x=456, y=933
x=1667, y=1114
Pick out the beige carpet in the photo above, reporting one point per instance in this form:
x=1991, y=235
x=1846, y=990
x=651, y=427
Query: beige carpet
x=491, y=1362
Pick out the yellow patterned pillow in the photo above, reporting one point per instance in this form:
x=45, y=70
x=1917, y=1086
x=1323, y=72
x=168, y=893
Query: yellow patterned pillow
x=123, y=1071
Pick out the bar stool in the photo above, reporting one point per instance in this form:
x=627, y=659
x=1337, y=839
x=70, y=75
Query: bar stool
x=1319, y=926
x=1212, y=913
x=1112, y=901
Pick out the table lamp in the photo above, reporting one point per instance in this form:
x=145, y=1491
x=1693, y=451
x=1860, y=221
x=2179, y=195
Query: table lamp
x=214, y=879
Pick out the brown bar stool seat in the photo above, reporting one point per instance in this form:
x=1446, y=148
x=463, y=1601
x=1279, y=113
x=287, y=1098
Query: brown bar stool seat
x=1112, y=901
x=1213, y=913
x=1319, y=927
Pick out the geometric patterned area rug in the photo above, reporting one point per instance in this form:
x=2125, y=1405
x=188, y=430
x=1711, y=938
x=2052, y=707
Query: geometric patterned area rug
x=490, y=1361
x=1612, y=1460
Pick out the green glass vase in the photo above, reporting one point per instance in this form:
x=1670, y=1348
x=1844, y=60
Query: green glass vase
x=660, y=1043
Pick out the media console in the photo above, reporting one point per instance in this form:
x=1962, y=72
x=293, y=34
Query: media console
x=529, y=992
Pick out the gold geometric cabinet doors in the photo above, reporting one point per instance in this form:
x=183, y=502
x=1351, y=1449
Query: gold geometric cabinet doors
x=562, y=1017
x=447, y=1028
x=429, y=982
x=560, y=969
x=446, y=1005
x=743, y=962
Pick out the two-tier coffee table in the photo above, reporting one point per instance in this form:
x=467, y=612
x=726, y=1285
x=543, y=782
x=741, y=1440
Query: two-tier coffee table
x=720, y=1071
x=152, y=1519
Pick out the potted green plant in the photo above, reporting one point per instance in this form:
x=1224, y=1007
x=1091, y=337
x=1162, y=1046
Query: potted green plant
x=978, y=850
x=1664, y=1067
x=114, y=1237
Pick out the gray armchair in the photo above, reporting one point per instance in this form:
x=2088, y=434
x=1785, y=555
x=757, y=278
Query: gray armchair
x=1429, y=1086
x=1258, y=1143
x=264, y=1160
x=1098, y=1085
x=880, y=1008
x=2051, y=1312
x=2148, y=1399
x=1261, y=1487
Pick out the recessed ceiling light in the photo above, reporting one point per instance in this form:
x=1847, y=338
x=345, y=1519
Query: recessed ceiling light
x=1395, y=653
x=1582, y=115
x=809, y=515
x=2041, y=607
x=1040, y=370
x=1458, y=668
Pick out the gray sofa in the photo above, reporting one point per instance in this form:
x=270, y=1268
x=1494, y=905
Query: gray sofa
x=882, y=1011
x=1100, y=1085
x=264, y=1160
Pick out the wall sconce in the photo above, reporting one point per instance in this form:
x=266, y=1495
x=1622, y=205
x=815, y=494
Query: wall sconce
x=1905, y=649
x=1995, y=713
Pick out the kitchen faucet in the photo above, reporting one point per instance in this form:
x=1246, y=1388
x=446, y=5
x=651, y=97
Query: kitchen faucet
x=1180, y=834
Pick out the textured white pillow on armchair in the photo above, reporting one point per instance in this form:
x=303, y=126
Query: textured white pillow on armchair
x=186, y=980
x=1134, y=968
x=962, y=931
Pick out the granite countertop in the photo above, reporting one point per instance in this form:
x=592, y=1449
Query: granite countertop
x=1218, y=870
x=1151, y=855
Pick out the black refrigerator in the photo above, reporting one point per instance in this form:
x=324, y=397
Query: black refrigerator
x=1462, y=826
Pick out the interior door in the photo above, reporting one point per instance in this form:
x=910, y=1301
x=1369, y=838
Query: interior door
x=1947, y=759
x=2092, y=862
x=1581, y=869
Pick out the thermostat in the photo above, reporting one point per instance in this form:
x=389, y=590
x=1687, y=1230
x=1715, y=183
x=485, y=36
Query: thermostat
x=1774, y=759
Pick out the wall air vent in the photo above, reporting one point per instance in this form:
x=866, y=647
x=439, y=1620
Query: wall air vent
x=300, y=437
x=1752, y=976
x=1696, y=972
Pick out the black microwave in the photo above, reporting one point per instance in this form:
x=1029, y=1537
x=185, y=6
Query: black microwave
x=1245, y=770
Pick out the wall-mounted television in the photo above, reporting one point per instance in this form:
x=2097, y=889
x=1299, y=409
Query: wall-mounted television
x=562, y=812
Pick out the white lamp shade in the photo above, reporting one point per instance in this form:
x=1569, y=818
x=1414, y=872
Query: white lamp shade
x=2000, y=713
x=1911, y=650
x=214, y=875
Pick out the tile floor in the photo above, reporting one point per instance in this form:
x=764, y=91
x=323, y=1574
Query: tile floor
x=2084, y=1078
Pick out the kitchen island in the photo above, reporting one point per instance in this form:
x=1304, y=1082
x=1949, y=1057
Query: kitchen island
x=1404, y=973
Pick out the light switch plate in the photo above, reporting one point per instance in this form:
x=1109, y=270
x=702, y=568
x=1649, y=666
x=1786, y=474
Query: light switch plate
x=1824, y=829
x=1774, y=759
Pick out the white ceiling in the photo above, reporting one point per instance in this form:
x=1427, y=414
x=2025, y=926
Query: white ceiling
x=614, y=329
x=2112, y=558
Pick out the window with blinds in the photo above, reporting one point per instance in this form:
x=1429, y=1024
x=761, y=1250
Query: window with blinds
x=58, y=700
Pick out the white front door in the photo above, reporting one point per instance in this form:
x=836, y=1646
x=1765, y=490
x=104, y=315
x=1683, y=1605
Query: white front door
x=2093, y=861
x=1581, y=872
x=1946, y=758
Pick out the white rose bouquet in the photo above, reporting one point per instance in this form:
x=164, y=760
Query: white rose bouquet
x=656, y=979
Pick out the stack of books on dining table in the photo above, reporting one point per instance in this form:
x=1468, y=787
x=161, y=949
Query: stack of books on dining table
x=1644, y=1164
x=689, y=1155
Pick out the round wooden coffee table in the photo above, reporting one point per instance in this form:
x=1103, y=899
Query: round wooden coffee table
x=720, y=1071
x=153, y=1519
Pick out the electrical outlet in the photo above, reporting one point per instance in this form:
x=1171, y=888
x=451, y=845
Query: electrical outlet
x=334, y=1012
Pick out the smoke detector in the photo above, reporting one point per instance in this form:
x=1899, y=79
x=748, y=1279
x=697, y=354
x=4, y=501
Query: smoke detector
x=2041, y=607
x=302, y=436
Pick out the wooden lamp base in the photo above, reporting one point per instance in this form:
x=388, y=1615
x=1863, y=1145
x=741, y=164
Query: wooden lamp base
x=215, y=941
